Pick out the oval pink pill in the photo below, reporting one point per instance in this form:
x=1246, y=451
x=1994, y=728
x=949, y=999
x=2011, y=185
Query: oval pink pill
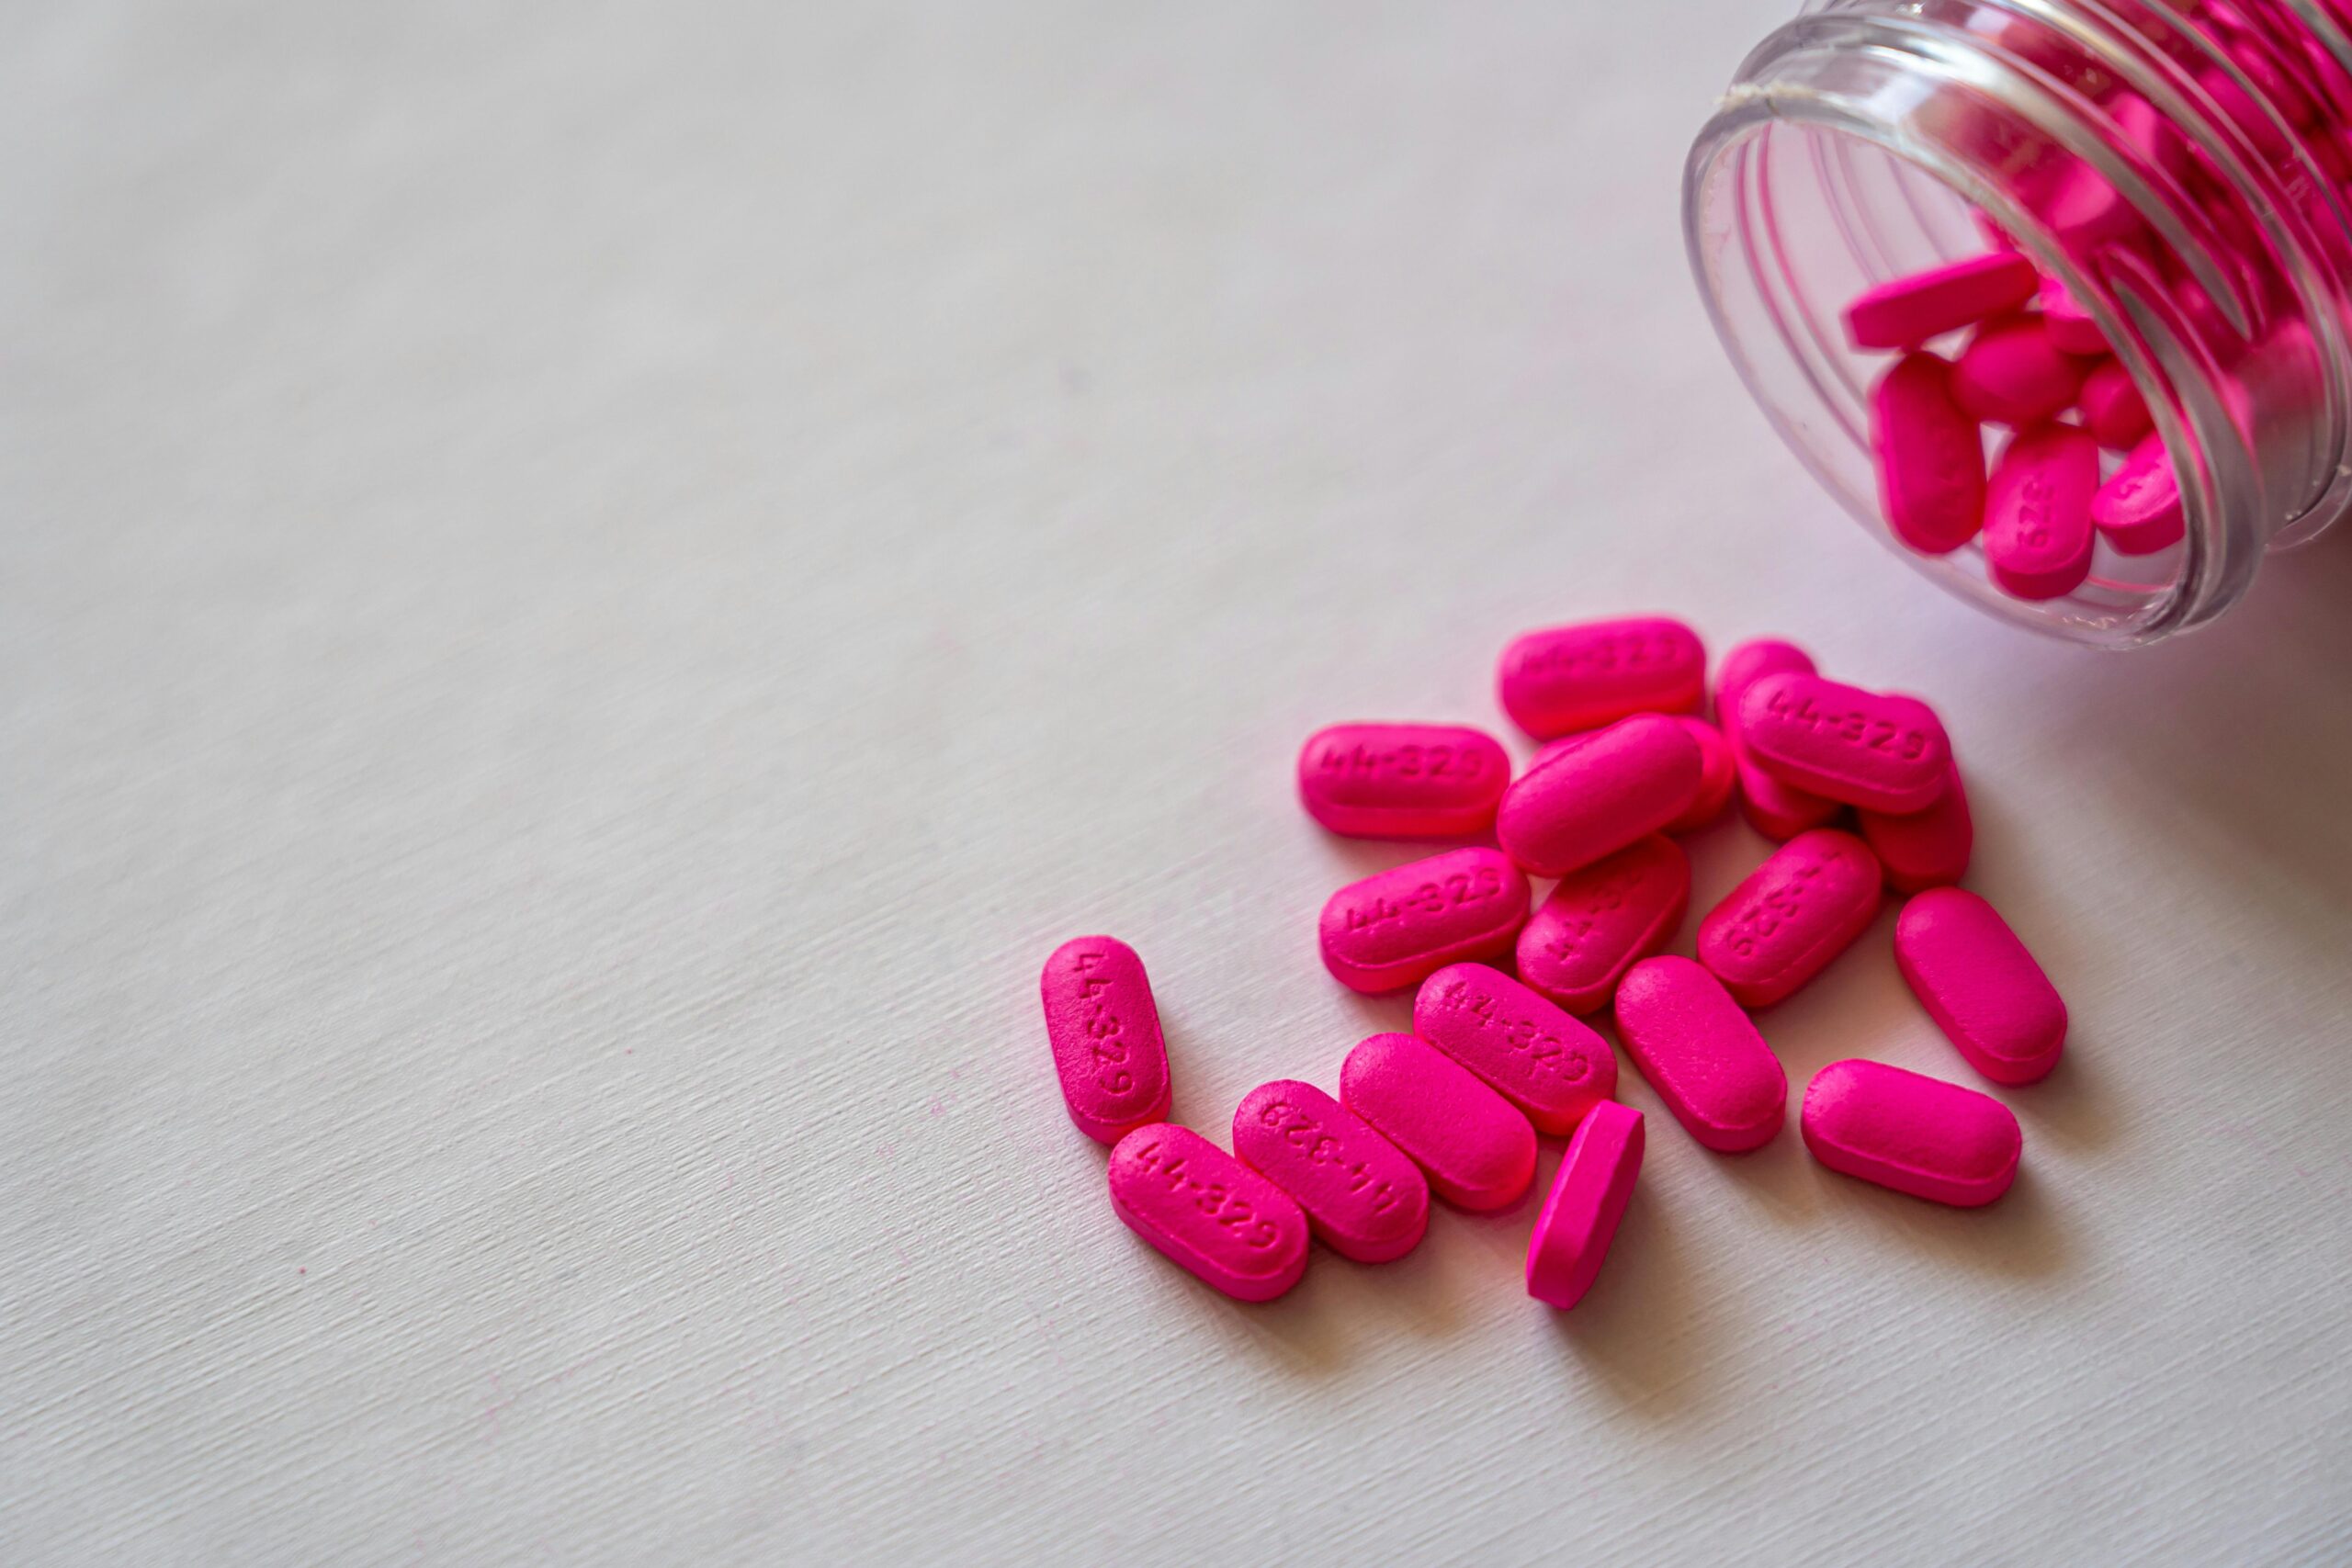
x=1581, y=677
x=1923, y=849
x=1587, y=1202
x=1778, y=810
x=1477, y=1151
x=1593, y=798
x=1717, y=776
x=1551, y=1067
x=1208, y=1213
x=1909, y=311
x=1794, y=913
x=1877, y=749
x=2113, y=411
x=2012, y=373
x=1397, y=927
x=1599, y=921
x=1981, y=986
x=2138, y=509
x=1402, y=780
x=1914, y=1133
x=1105, y=1030
x=1929, y=457
x=1750, y=663
x=1363, y=1198
x=1703, y=1054
x=2038, y=512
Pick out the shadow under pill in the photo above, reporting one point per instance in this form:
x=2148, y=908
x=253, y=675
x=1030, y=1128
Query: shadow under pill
x=1639, y=1332
x=2018, y=1235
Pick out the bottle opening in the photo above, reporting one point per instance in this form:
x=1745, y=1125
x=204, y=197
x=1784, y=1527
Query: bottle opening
x=1788, y=223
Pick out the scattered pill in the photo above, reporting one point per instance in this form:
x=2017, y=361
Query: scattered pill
x=2013, y=374
x=1586, y=1203
x=1779, y=811
x=1701, y=1052
x=1877, y=749
x=1919, y=850
x=1402, y=780
x=1580, y=677
x=1593, y=798
x=1208, y=1213
x=1794, y=913
x=2138, y=509
x=1930, y=456
x=2038, y=512
x=1364, y=1198
x=1550, y=1066
x=1717, y=776
x=1750, y=663
x=1914, y=1133
x=2113, y=411
x=1980, y=984
x=1105, y=1030
x=1909, y=311
x=1395, y=928
x=1478, y=1151
x=1600, y=920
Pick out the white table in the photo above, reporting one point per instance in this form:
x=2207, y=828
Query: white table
x=584, y=596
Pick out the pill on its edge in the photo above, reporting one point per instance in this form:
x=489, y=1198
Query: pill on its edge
x=1588, y=1200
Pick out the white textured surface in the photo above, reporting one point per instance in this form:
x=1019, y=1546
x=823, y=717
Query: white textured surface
x=585, y=594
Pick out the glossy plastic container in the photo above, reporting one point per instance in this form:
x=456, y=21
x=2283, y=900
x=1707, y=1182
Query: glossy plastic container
x=2183, y=170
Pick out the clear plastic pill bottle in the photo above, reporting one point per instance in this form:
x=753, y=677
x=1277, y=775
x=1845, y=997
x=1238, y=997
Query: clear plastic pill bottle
x=2181, y=168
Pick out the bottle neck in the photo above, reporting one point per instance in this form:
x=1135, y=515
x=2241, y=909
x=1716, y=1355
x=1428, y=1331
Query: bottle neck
x=2185, y=170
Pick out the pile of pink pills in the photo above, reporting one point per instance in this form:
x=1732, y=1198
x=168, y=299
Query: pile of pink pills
x=2045, y=375
x=1859, y=789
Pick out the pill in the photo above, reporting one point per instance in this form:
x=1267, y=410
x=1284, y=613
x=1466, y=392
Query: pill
x=1717, y=777
x=2012, y=373
x=1792, y=915
x=2113, y=411
x=1581, y=677
x=2085, y=210
x=1914, y=1133
x=1600, y=920
x=1980, y=984
x=1208, y=1213
x=1363, y=1198
x=1748, y=663
x=2138, y=509
x=1551, y=1067
x=2069, y=325
x=1402, y=780
x=1778, y=810
x=1105, y=1030
x=1907, y=311
x=1594, y=797
x=1878, y=750
x=1929, y=457
x=1478, y=1151
x=1918, y=850
x=1395, y=928
x=1701, y=1052
x=2038, y=512
x=1586, y=1203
